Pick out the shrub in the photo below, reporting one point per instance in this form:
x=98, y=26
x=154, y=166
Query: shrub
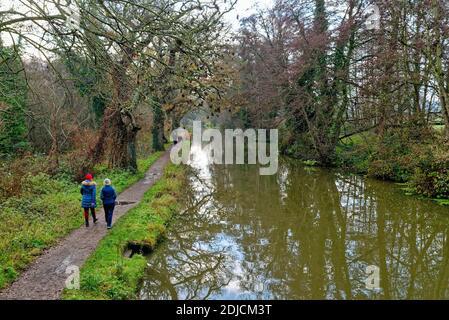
x=431, y=177
x=354, y=153
x=399, y=152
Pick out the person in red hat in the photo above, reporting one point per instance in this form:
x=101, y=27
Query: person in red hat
x=89, y=200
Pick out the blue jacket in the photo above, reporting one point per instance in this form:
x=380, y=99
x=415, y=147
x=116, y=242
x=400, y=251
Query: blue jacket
x=89, y=192
x=108, y=195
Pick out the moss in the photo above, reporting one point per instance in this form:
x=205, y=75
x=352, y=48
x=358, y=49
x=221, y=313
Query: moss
x=108, y=273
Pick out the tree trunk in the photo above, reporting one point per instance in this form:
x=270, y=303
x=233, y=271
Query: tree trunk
x=123, y=152
x=124, y=128
x=97, y=152
x=444, y=101
x=158, y=127
x=53, y=155
x=439, y=70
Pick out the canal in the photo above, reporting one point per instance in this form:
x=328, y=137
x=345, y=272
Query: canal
x=305, y=233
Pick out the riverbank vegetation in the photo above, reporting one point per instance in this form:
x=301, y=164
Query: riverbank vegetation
x=116, y=268
x=361, y=85
x=420, y=160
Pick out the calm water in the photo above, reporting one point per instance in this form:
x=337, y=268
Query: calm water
x=302, y=234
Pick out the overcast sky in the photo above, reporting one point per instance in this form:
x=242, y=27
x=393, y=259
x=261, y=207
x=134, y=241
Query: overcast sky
x=245, y=8
x=242, y=9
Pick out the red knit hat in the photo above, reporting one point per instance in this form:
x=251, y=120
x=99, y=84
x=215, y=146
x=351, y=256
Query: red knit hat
x=89, y=176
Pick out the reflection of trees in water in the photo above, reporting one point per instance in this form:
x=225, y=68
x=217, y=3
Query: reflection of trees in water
x=189, y=265
x=405, y=237
x=305, y=234
x=412, y=241
x=181, y=272
x=323, y=230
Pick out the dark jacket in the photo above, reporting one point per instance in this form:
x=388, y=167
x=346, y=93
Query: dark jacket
x=108, y=195
x=89, y=192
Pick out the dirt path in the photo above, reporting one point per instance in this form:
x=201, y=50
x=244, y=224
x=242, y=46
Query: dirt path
x=45, y=278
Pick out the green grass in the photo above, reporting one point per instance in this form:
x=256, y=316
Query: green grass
x=310, y=163
x=46, y=211
x=355, y=139
x=442, y=202
x=107, y=274
x=438, y=127
x=352, y=153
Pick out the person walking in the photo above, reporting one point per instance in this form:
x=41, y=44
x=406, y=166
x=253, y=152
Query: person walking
x=89, y=198
x=108, y=196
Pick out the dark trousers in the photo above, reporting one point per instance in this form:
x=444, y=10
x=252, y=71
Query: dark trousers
x=108, y=212
x=86, y=215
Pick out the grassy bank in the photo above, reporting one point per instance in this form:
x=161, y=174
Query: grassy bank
x=108, y=274
x=417, y=158
x=36, y=210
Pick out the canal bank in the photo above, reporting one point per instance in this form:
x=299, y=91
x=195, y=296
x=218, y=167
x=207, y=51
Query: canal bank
x=116, y=267
x=53, y=220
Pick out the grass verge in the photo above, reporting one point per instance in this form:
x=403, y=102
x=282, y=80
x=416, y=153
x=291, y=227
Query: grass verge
x=108, y=274
x=47, y=210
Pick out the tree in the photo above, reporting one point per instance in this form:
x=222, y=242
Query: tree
x=121, y=38
x=321, y=73
x=13, y=95
x=135, y=45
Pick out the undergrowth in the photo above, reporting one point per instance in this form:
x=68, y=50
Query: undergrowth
x=37, y=209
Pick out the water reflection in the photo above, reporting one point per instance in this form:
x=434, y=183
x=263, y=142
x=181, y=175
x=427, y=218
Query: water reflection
x=300, y=235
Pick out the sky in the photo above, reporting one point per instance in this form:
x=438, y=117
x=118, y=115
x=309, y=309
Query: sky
x=243, y=8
